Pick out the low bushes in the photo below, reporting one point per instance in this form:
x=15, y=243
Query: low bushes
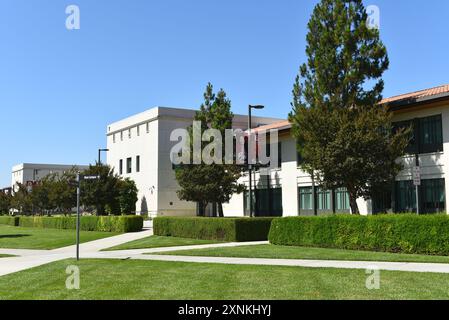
x=9, y=220
x=221, y=229
x=87, y=223
x=388, y=233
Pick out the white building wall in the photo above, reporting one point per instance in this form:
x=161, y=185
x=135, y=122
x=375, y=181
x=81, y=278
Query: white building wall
x=156, y=180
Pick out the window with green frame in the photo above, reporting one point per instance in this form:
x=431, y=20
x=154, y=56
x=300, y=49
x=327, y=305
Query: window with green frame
x=412, y=147
x=427, y=134
x=342, y=200
x=276, y=209
x=306, y=198
x=433, y=195
x=267, y=202
x=431, y=134
x=405, y=197
x=324, y=199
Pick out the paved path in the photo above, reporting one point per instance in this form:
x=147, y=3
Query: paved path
x=33, y=258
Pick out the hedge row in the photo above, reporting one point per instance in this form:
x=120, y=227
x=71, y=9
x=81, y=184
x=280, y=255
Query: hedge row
x=221, y=229
x=387, y=233
x=9, y=220
x=88, y=223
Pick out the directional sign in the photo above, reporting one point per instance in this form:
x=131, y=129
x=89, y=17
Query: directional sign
x=417, y=176
x=91, y=177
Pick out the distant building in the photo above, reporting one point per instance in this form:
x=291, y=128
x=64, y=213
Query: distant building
x=29, y=173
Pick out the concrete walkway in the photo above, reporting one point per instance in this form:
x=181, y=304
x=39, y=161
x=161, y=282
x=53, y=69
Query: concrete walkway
x=27, y=259
x=92, y=250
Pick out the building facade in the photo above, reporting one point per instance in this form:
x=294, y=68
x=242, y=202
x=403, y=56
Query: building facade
x=289, y=191
x=27, y=173
x=139, y=149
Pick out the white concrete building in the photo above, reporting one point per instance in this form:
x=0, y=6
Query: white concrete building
x=139, y=148
x=32, y=172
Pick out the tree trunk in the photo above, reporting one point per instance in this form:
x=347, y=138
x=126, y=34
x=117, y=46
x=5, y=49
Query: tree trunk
x=220, y=210
x=353, y=204
x=200, y=209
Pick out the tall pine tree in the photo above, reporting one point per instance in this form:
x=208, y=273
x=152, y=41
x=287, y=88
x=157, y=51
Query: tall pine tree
x=344, y=137
x=210, y=183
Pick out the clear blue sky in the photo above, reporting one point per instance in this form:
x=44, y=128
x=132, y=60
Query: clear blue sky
x=59, y=89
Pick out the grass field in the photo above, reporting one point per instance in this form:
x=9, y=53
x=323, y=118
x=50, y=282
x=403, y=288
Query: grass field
x=5, y=256
x=160, y=242
x=36, y=238
x=282, y=252
x=142, y=280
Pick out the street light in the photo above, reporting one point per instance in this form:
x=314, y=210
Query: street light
x=99, y=154
x=250, y=107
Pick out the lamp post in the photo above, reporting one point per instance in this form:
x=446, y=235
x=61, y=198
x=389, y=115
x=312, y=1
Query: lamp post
x=250, y=165
x=99, y=154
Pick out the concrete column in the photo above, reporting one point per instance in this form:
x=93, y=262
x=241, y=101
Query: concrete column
x=289, y=178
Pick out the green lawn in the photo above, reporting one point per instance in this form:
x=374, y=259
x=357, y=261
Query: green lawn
x=5, y=256
x=282, y=252
x=159, y=242
x=141, y=280
x=36, y=238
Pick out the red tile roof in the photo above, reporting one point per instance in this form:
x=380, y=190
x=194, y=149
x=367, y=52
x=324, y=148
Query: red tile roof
x=418, y=94
x=281, y=125
x=284, y=125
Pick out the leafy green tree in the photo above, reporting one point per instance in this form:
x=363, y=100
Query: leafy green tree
x=5, y=202
x=21, y=200
x=40, y=196
x=102, y=193
x=127, y=196
x=62, y=193
x=210, y=183
x=344, y=137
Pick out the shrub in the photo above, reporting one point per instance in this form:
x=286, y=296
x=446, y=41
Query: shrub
x=88, y=223
x=9, y=220
x=387, y=233
x=221, y=229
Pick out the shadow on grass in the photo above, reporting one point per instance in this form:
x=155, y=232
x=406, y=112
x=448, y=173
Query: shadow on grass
x=14, y=236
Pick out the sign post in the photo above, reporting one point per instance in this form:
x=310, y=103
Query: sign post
x=79, y=178
x=417, y=183
x=78, y=192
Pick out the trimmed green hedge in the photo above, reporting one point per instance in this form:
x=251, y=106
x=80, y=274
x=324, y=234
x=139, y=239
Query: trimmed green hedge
x=87, y=223
x=9, y=220
x=387, y=233
x=221, y=229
